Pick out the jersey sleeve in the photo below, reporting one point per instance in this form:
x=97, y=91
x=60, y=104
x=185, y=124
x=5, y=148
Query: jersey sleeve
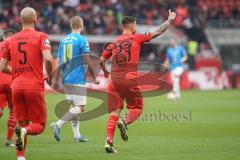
x=85, y=48
x=107, y=53
x=44, y=43
x=6, y=52
x=141, y=38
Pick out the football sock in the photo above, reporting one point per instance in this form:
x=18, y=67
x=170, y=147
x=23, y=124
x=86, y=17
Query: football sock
x=34, y=129
x=176, y=87
x=68, y=116
x=132, y=115
x=75, y=127
x=111, y=126
x=11, y=124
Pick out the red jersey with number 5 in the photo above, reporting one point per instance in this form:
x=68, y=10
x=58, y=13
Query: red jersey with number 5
x=24, y=49
x=125, y=53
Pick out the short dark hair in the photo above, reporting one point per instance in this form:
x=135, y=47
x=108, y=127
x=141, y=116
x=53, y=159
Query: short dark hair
x=128, y=20
x=8, y=32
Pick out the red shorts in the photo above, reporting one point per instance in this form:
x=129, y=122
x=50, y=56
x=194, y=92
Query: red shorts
x=120, y=89
x=29, y=105
x=5, y=96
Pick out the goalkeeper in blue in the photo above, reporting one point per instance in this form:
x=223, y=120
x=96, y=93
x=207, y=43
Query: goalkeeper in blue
x=71, y=64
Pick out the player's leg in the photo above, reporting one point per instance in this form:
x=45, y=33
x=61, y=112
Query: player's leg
x=36, y=113
x=56, y=126
x=77, y=96
x=110, y=130
x=11, y=123
x=178, y=74
x=69, y=116
x=3, y=99
x=79, y=100
x=20, y=110
x=3, y=103
x=174, y=78
x=134, y=101
x=75, y=123
x=115, y=105
x=21, y=142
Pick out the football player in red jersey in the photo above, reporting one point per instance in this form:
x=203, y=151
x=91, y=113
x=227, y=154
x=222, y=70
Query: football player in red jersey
x=124, y=51
x=28, y=50
x=6, y=94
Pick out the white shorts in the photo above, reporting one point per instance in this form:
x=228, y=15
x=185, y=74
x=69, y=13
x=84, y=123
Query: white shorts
x=76, y=93
x=177, y=71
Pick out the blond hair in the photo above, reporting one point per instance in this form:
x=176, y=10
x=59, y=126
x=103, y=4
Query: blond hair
x=76, y=22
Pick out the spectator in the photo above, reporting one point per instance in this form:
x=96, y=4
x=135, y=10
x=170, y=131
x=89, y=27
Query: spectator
x=192, y=49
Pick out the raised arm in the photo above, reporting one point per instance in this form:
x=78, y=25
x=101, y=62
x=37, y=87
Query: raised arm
x=163, y=27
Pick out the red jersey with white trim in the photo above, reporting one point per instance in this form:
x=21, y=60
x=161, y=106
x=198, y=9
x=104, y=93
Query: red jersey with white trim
x=24, y=49
x=4, y=78
x=125, y=53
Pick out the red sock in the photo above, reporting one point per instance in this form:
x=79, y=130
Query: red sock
x=11, y=124
x=132, y=115
x=111, y=126
x=34, y=129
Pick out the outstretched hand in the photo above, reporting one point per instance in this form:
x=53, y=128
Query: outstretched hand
x=172, y=15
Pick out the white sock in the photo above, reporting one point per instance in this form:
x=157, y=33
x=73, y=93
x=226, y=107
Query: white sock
x=75, y=128
x=176, y=87
x=60, y=123
x=68, y=116
x=24, y=131
x=21, y=158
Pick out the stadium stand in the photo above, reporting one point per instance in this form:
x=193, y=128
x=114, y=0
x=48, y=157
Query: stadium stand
x=211, y=25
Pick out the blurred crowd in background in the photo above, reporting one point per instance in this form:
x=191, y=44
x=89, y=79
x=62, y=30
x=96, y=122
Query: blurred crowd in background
x=103, y=17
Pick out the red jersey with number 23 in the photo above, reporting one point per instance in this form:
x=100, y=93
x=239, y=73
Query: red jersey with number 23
x=125, y=53
x=24, y=49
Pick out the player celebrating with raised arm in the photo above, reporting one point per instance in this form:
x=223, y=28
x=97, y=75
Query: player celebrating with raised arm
x=73, y=52
x=6, y=94
x=124, y=51
x=27, y=50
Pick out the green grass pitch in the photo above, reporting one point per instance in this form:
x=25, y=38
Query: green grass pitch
x=211, y=132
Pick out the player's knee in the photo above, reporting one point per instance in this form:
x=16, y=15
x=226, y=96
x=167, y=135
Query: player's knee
x=43, y=127
x=82, y=108
x=75, y=110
